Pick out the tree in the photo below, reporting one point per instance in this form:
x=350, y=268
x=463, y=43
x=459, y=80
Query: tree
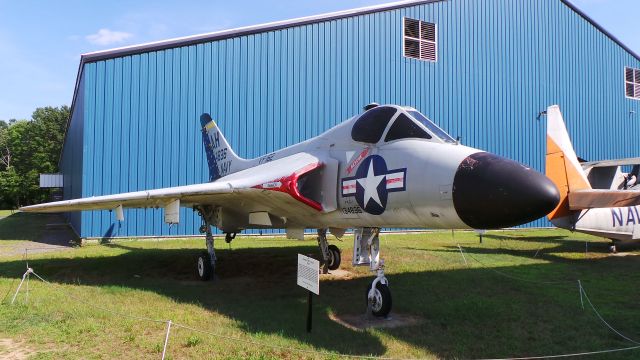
x=27, y=149
x=10, y=188
x=5, y=152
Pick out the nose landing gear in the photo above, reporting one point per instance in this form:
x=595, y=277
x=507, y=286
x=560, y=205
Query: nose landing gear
x=379, y=296
x=366, y=251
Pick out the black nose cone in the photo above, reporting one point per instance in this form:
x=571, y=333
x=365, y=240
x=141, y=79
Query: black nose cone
x=491, y=192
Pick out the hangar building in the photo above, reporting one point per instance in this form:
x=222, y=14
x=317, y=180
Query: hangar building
x=481, y=69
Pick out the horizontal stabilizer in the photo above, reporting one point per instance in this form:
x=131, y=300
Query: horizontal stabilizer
x=608, y=163
x=588, y=199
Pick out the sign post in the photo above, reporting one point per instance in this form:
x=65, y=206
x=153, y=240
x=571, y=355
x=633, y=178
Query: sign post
x=309, y=278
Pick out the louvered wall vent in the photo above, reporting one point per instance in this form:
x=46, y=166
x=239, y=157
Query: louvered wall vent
x=632, y=83
x=419, y=40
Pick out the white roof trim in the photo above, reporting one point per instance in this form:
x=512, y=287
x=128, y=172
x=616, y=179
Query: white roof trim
x=253, y=29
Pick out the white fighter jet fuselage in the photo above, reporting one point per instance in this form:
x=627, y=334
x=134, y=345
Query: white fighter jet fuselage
x=392, y=167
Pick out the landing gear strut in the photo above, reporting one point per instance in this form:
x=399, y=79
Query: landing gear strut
x=207, y=260
x=330, y=253
x=366, y=251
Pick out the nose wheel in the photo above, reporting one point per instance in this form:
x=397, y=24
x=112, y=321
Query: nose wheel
x=379, y=299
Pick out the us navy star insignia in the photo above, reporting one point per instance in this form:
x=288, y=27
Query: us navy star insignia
x=372, y=184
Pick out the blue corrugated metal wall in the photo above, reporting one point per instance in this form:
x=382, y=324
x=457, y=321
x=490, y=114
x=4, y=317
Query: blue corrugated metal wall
x=500, y=62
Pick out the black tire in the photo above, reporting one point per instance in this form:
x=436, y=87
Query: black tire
x=334, y=257
x=613, y=246
x=382, y=304
x=204, y=270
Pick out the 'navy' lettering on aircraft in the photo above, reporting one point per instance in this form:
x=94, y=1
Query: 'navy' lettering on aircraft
x=372, y=184
x=618, y=219
x=224, y=167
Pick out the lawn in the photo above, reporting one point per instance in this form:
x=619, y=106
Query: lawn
x=5, y=213
x=516, y=296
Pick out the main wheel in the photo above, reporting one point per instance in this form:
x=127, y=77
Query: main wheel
x=205, y=270
x=381, y=305
x=334, y=257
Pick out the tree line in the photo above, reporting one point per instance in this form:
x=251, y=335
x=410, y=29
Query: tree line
x=27, y=149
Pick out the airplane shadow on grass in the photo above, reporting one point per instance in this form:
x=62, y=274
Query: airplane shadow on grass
x=463, y=313
x=31, y=227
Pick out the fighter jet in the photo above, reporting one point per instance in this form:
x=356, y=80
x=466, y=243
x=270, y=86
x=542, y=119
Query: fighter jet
x=389, y=166
x=596, y=197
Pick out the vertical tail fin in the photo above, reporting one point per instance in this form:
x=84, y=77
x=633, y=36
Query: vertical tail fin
x=562, y=165
x=221, y=159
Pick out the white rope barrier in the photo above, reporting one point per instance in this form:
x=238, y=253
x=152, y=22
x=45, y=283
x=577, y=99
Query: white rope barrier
x=103, y=308
x=588, y=353
x=170, y=323
x=583, y=292
x=561, y=282
x=279, y=347
x=9, y=290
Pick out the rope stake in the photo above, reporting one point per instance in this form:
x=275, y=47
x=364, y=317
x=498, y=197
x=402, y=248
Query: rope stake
x=580, y=290
x=26, y=275
x=463, y=257
x=166, y=339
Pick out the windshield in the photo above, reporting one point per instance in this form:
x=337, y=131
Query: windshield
x=432, y=127
x=404, y=128
x=370, y=125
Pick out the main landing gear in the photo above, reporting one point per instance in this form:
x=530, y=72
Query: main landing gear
x=366, y=251
x=206, y=261
x=613, y=248
x=330, y=253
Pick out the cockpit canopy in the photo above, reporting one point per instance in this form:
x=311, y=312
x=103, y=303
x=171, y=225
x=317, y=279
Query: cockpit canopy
x=402, y=122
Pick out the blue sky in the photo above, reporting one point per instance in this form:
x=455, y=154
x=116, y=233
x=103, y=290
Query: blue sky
x=41, y=41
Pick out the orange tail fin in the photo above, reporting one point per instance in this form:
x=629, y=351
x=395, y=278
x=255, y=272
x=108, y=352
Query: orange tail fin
x=562, y=165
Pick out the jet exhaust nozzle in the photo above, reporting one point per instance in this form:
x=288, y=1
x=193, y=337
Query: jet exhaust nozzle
x=491, y=192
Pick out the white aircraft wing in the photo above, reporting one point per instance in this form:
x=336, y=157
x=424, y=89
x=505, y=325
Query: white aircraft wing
x=595, y=198
x=272, y=187
x=609, y=163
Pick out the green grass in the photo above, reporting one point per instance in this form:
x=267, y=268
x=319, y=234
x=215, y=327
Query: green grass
x=4, y=213
x=501, y=309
